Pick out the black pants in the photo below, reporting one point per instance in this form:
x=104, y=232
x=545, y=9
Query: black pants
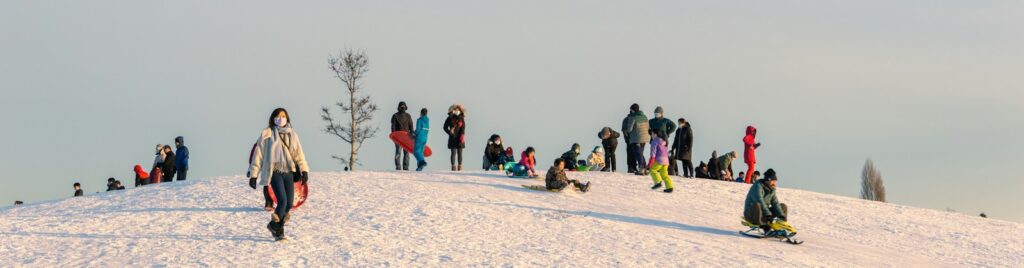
x=182, y=173
x=637, y=150
x=266, y=197
x=284, y=192
x=630, y=162
x=457, y=152
x=168, y=176
x=403, y=155
x=609, y=158
x=754, y=214
x=561, y=185
x=687, y=168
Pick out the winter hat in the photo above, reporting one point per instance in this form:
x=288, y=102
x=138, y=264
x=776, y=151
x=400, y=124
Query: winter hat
x=180, y=139
x=508, y=151
x=402, y=107
x=770, y=175
x=598, y=149
x=659, y=110
x=635, y=107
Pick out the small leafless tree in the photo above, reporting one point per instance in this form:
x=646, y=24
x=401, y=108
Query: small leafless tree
x=350, y=67
x=872, y=187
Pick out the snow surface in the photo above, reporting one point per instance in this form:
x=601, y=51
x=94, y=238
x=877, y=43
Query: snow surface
x=407, y=219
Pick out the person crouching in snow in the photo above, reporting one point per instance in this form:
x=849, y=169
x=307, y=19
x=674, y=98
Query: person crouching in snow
x=508, y=158
x=493, y=153
x=141, y=177
x=659, y=163
x=570, y=156
x=596, y=159
x=556, y=179
x=762, y=205
x=725, y=166
x=279, y=161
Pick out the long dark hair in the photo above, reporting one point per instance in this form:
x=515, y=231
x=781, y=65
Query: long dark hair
x=273, y=114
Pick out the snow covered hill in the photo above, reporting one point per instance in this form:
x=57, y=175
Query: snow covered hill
x=486, y=219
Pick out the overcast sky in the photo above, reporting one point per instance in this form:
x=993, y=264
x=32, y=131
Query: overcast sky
x=930, y=90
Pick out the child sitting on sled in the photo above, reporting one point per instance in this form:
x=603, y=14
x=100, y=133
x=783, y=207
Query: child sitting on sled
x=556, y=180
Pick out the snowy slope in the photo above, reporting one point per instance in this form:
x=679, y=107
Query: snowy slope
x=486, y=219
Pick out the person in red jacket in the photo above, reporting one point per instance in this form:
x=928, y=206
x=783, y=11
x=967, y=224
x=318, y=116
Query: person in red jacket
x=750, y=146
x=141, y=177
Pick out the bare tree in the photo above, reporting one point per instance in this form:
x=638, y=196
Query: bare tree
x=872, y=187
x=350, y=67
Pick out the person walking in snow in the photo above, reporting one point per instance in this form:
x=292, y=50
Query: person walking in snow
x=571, y=156
x=660, y=125
x=78, y=190
x=762, y=205
x=401, y=121
x=493, y=153
x=455, y=127
x=168, y=167
x=659, y=163
x=750, y=146
x=181, y=158
x=420, y=135
x=610, y=142
x=557, y=181
x=637, y=131
x=596, y=159
x=682, y=147
x=278, y=161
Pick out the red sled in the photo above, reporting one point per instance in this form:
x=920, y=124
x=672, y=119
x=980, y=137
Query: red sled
x=403, y=139
x=301, y=192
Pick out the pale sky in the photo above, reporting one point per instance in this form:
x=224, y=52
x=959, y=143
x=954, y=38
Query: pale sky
x=930, y=90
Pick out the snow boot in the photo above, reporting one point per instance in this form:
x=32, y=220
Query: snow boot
x=668, y=191
x=656, y=186
x=460, y=167
x=453, y=167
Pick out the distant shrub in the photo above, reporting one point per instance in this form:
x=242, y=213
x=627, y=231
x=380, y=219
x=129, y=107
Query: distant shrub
x=872, y=187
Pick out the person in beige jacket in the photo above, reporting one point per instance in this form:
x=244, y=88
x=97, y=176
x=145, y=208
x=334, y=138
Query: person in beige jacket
x=278, y=161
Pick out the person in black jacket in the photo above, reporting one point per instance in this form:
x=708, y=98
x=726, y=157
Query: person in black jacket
x=401, y=121
x=78, y=189
x=494, y=153
x=610, y=141
x=168, y=168
x=455, y=127
x=682, y=147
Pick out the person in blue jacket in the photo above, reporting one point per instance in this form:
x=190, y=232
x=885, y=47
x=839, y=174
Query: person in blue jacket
x=181, y=158
x=422, y=130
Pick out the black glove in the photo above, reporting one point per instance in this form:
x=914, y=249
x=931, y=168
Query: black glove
x=757, y=145
x=304, y=177
x=252, y=183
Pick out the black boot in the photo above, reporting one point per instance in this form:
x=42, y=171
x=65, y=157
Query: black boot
x=669, y=190
x=656, y=186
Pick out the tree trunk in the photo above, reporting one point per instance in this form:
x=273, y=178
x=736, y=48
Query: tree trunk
x=352, y=103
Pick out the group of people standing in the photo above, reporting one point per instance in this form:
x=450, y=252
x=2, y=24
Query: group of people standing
x=454, y=126
x=167, y=163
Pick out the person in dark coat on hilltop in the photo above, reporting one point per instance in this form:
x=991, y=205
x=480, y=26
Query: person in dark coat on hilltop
x=610, y=142
x=493, y=153
x=639, y=135
x=660, y=125
x=701, y=172
x=682, y=147
x=110, y=184
x=18, y=203
x=570, y=157
x=455, y=127
x=168, y=168
x=725, y=166
x=401, y=121
x=713, y=171
x=141, y=177
x=181, y=158
x=556, y=179
x=762, y=205
x=78, y=189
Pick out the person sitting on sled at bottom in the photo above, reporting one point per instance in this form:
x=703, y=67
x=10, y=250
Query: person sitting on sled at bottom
x=762, y=205
x=556, y=179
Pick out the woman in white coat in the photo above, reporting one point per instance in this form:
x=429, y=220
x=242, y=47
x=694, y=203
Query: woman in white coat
x=278, y=161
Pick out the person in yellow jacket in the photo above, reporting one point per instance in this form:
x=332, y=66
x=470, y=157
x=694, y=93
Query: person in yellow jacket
x=278, y=161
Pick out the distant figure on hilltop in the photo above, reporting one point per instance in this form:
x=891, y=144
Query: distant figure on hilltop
x=277, y=160
x=570, y=157
x=168, y=167
x=455, y=127
x=141, y=177
x=610, y=142
x=637, y=134
x=682, y=148
x=556, y=180
x=493, y=153
x=78, y=189
x=401, y=121
x=181, y=158
x=750, y=146
x=659, y=163
x=420, y=135
x=18, y=203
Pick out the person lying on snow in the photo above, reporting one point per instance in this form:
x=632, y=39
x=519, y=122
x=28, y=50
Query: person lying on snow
x=556, y=180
